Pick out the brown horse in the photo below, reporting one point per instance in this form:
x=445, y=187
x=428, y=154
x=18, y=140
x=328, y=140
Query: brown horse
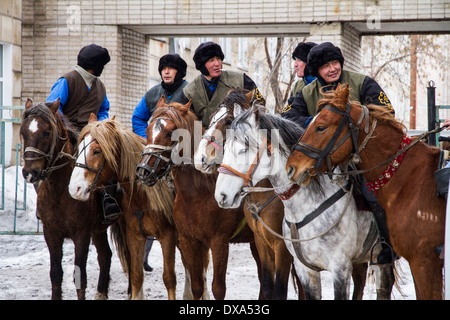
x=200, y=223
x=276, y=261
x=403, y=177
x=49, y=144
x=107, y=150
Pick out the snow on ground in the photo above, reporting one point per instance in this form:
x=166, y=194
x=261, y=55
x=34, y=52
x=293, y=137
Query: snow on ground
x=24, y=264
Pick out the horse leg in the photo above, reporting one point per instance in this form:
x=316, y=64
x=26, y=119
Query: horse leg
x=168, y=243
x=55, y=245
x=359, y=275
x=104, y=254
x=283, y=261
x=267, y=259
x=194, y=256
x=257, y=258
x=136, y=247
x=341, y=281
x=219, y=251
x=309, y=279
x=80, y=274
x=427, y=275
x=385, y=282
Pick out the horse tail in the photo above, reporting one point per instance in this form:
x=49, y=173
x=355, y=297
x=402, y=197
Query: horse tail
x=119, y=238
x=297, y=284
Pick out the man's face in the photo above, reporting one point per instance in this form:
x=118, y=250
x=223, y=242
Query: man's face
x=168, y=74
x=214, y=67
x=299, y=67
x=331, y=71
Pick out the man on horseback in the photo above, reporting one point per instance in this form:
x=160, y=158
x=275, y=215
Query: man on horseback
x=80, y=93
x=300, y=56
x=325, y=61
x=209, y=89
x=172, y=69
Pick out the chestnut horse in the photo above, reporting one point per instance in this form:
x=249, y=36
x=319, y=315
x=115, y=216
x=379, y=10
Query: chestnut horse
x=49, y=144
x=401, y=171
x=276, y=261
x=107, y=150
x=200, y=223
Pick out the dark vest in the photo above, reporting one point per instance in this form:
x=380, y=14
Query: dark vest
x=154, y=94
x=82, y=101
x=203, y=107
x=312, y=94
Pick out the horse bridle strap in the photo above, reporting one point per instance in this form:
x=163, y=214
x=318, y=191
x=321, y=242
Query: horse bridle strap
x=334, y=143
x=226, y=169
x=98, y=171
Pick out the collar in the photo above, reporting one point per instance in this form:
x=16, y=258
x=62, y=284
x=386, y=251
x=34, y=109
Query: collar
x=384, y=178
x=288, y=193
x=87, y=77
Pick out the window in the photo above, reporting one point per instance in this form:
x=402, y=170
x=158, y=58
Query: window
x=243, y=53
x=178, y=45
x=225, y=44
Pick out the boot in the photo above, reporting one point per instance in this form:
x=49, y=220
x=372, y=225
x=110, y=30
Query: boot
x=387, y=253
x=442, y=177
x=110, y=206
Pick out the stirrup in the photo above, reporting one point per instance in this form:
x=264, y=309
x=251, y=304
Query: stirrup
x=382, y=242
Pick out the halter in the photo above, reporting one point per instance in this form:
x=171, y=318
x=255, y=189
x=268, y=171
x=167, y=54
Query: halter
x=51, y=160
x=93, y=185
x=226, y=169
x=150, y=176
x=334, y=143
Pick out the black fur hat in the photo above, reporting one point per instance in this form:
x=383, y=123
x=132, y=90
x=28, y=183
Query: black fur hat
x=204, y=52
x=175, y=61
x=302, y=50
x=322, y=54
x=93, y=57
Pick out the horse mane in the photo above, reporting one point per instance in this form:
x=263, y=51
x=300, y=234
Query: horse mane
x=289, y=131
x=237, y=95
x=119, y=143
x=336, y=99
x=186, y=122
x=57, y=121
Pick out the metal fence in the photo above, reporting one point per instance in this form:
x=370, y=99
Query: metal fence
x=10, y=221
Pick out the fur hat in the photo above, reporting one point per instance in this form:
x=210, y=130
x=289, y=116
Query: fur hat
x=204, y=52
x=302, y=50
x=93, y=57
x=322, y=54
x=175, y=61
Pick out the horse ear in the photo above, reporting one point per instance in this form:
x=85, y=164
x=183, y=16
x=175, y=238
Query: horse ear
x=113, y=117
x=185, y=108
x=161, y=102
x=53, y=106
x=250, y=95
x=343, y=93
x=28, y=104
x=237, y=110
x=92, y=118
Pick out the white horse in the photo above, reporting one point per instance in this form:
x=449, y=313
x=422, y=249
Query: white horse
x=333, y=240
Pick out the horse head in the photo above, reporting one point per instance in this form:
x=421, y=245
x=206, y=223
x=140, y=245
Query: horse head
x=168, y=137
x=325, y=142
x=92, y=167
x=40, y=134
x=247, y=158
x=209, y=152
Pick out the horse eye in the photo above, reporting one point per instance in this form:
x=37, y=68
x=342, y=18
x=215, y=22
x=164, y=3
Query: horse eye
x=97, y=151
x=228, y=122
x=243, y=151
x=320, y=129
x=169, y=134
x=46, y=134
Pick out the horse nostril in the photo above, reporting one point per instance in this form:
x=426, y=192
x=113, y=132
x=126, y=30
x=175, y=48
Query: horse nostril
x=290, y=172
x=223, y=198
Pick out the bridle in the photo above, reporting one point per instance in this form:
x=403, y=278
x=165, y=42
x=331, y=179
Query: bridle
x=149, y=175
x=226, y=169
x=49, y=156
x=353, y=132
x=93, y=185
